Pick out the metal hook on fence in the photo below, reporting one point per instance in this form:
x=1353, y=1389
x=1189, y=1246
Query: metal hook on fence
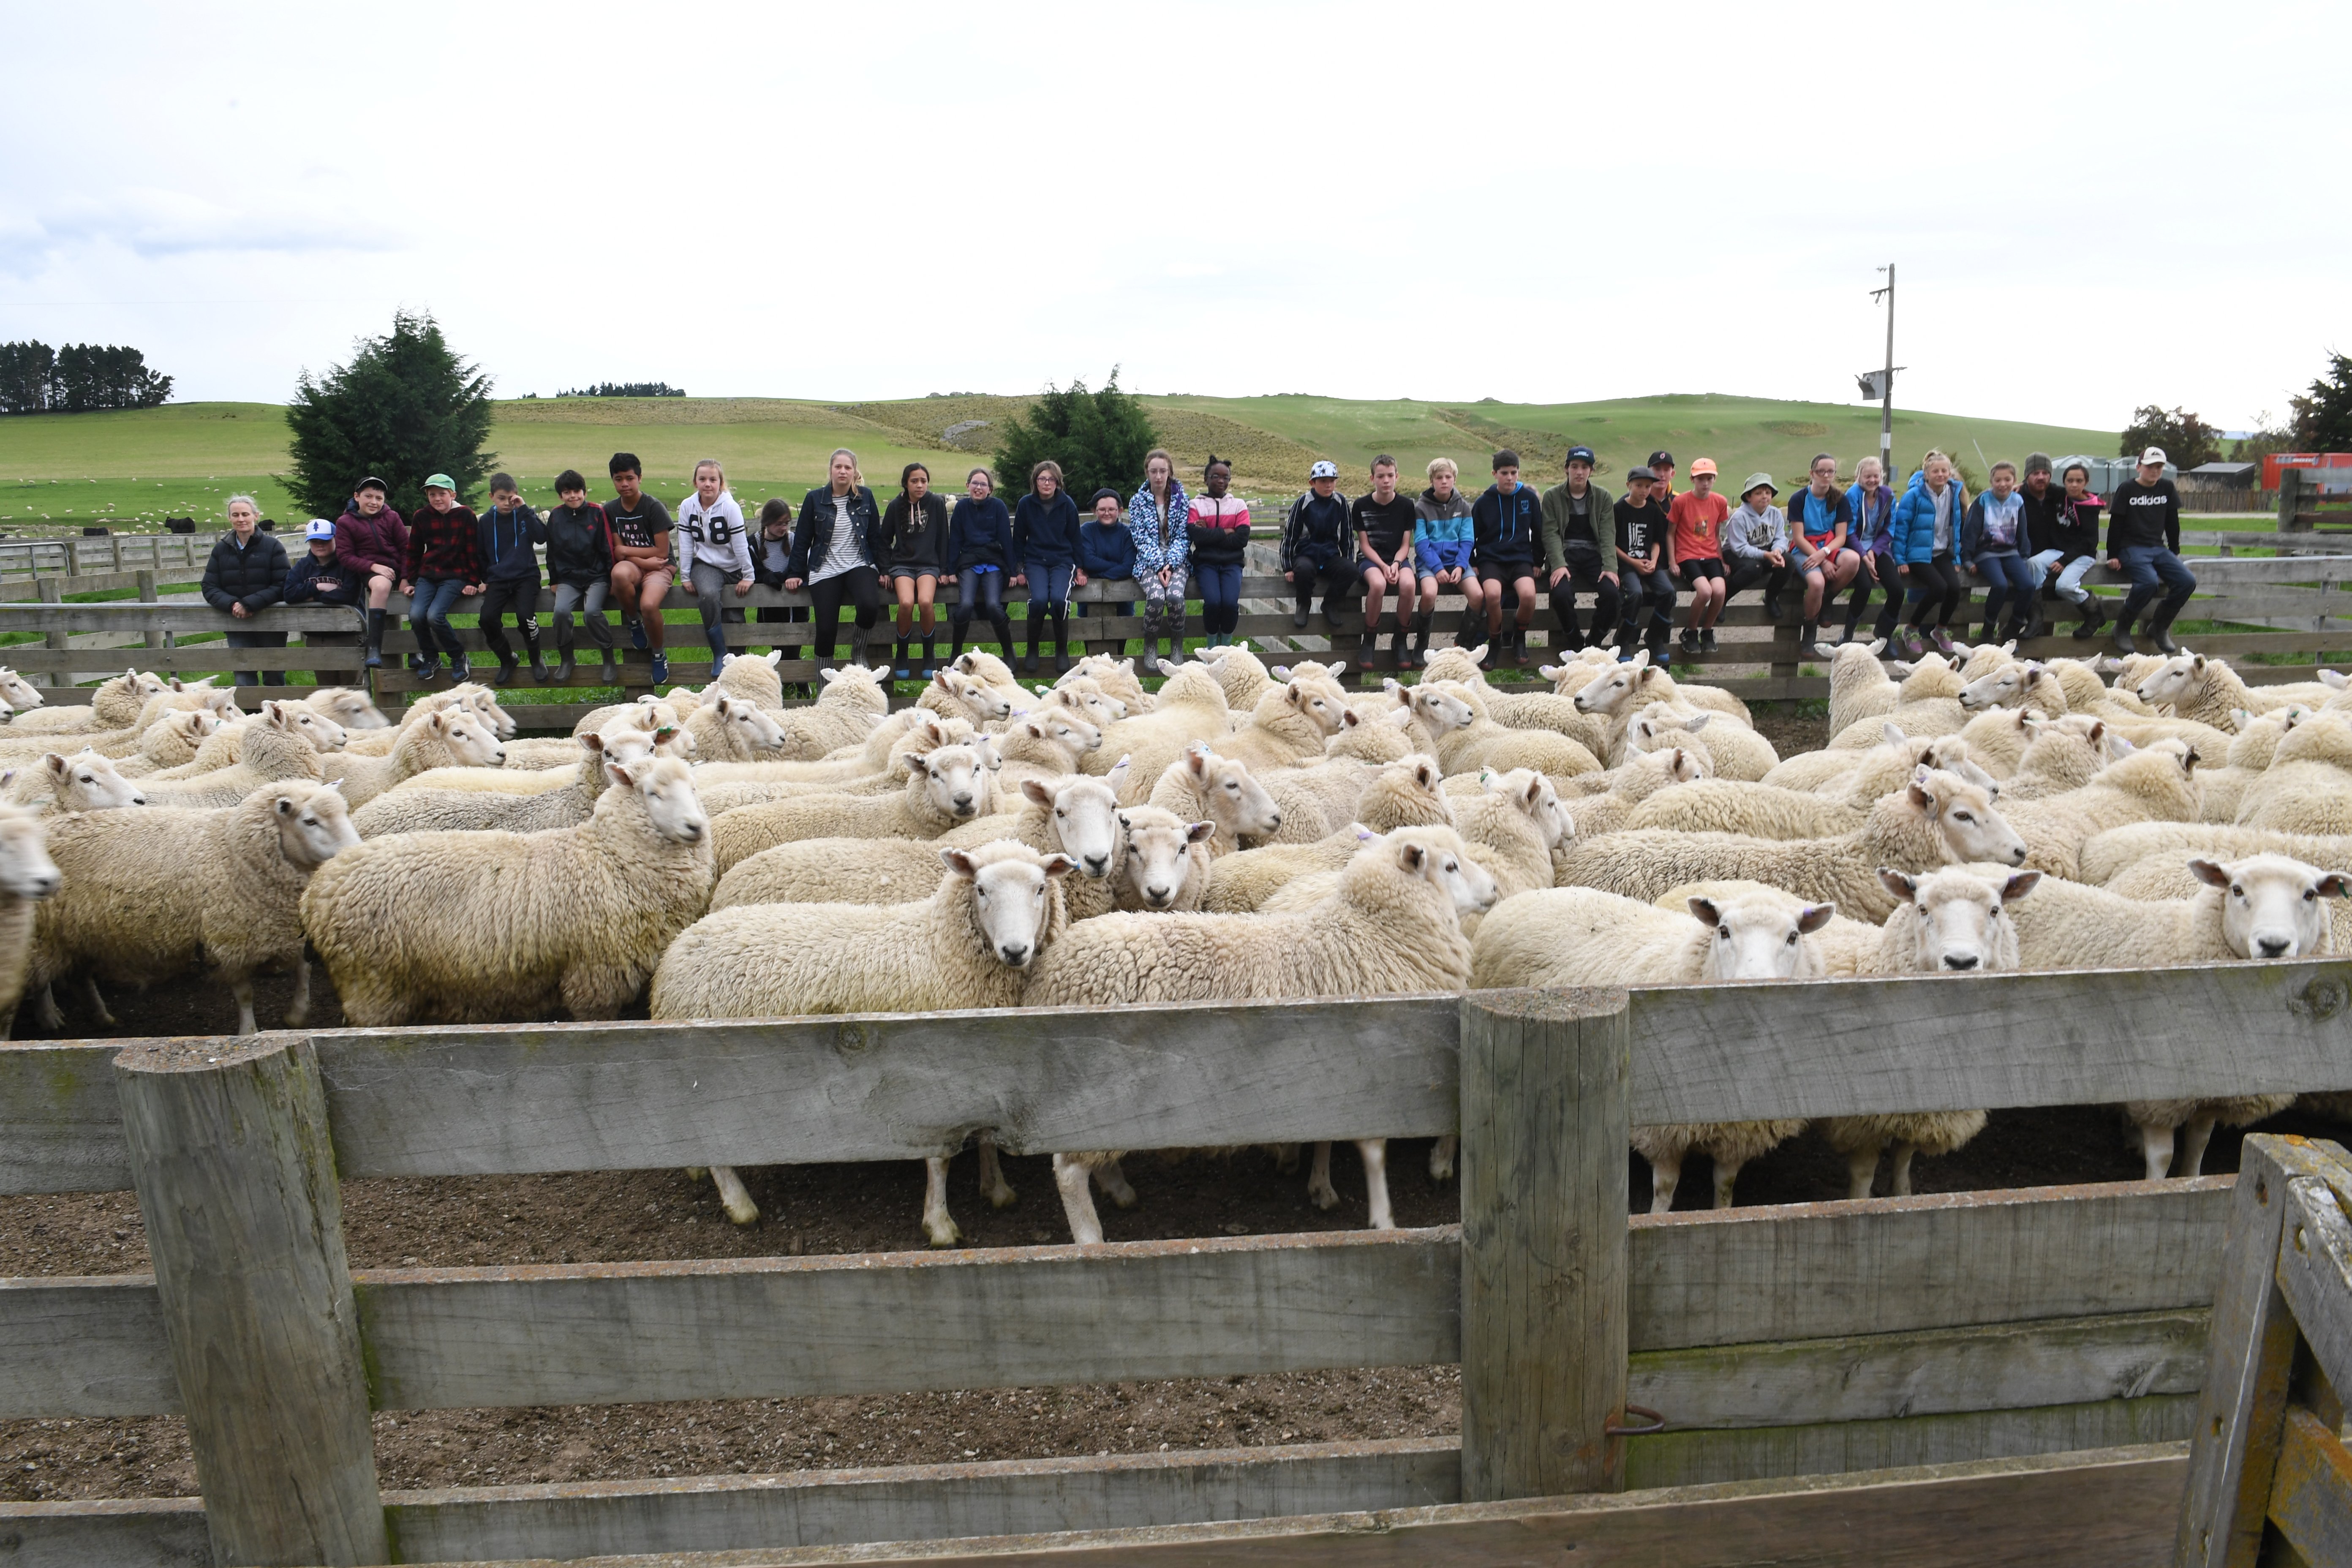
x=1658, y=1422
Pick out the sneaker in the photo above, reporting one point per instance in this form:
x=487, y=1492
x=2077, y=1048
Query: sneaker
x=1690, y=640
x=1707, y=639
x=1298, y=617
x=461, y=670
x=1943, y=641
x=637, y=635
x=1907, y=641
x=661, y=669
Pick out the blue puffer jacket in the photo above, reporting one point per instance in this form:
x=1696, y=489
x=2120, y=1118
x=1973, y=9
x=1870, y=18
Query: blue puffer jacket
x=1913, y=526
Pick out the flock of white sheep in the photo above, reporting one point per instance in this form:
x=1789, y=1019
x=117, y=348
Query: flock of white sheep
x=1242, y=833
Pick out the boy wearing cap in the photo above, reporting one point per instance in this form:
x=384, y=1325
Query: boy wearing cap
x=1755, y=543
x=1661, y=463
x=319, y=577
x=1576, y=516
x=1106, y=555
x=1383, y=523
x=510, y=529
x=370, y=536
x=1697, y=516
x=1315, y=545
x=443, y=566
x=2144, y=541
x=1824, y=519
x=1641, y=529
x=1506, y=522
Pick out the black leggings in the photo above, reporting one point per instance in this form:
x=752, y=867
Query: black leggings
x=980, y=592
x=1877, y=572
x=860, y=586
x=1587, y=578
x=1938, y=588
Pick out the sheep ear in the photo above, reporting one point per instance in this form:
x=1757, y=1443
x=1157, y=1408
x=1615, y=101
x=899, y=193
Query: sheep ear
x=724, y=704
x=1296, y=693
x=2009, y=647
x=1642, y=659
x=1877, y=647
x=1704, y=913
x=334, y=785
x=1399, y=719
x=916, y=764
x=1900, y=885
x=1363, y=834
x=1696, y=723
x=1199, y=832
x=1196, y=757
x=1550, y=671
x=1534, y=793
x=2197, y=662
x=1280, y=672
x=1411, y=856
x=2335, y=884
x=1921, y=795
x=437, y=721
x=1034, y=791
x=2020, y=883
x=58, y=763
x=1814, y=917
x=625, y=775
x=2210, y=873
x=2335, y=678
x=1118, y=775
x=1032, y=729
x=1890, y=733
x=832, y=675
x=2189, y=761
x=594, y=742
x=1350, y=717
x=1427, y=775
x=1057, y=864
x=1167, y=667
x=958, y=864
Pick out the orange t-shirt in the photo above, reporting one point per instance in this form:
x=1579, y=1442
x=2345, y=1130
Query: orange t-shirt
x=1699, y=525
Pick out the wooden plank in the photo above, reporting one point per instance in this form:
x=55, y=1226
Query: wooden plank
x=185, y=659
x=1729, y=1277
x=1841, y=1048
x=888, y=1323
x=237, y=1186
x=524, y=1097
x=2089, y=1508
x=2310, y=1494
x=2314, y=1274
x=94, y=1533
x=823, y=1508
x=1695, y=1458
x=133, y=618
x=1935, y=1372
x=1543, y=1242
x=84, y=1346
x=60, y=1118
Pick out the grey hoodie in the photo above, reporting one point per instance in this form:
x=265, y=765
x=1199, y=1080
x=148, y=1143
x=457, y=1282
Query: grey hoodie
x=1753, y=535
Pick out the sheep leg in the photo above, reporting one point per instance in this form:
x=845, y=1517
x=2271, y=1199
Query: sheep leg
x=97, y=1003
x=1903, y=1152
x=1113, y=1182
x=2155, y=1148
x=1319, y=1189
x=939, y=1226
x=1374, y=1152
x=1070, y=1177
x=2192, y=1147
x=45, y=1010
x=297, y=1010
x=1726, y=1173
x=1285, y=1159
x=1862, y=1169
x=242, y=989
x=732, y=1197
x=1665, y=1174
x=992, y=1185
x=697, y=1172
x=1441, y=1158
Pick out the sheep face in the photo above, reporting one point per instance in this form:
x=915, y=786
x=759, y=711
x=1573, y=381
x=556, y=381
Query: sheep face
x=1608, y=692
x=1657, y=725
x=952, y=779
x=977, y=700
x=620, y=746
x=26, y=869
x=349, y=709
x=667, y=787
x=1319, y=702
x=313, y=823
x=20, y=694
x=2176, y=680
x=88, y=781
x=2271, y=905
x=2011, y=686
x=323, y=733
x=469, y=738
x=1534, y=794
x=1066, y=729
x=1087, y=698
x=1158, y=862
x=1082, y=813
x=500, y=722
x=1759, y=936
x=1955, y=919
x=1950, y=754
x=193, y=724
x=1237, y=802
x=755, y=731
x=1436, y=855
x=1011, y=897
x=1442, y=710
x=1963, y=816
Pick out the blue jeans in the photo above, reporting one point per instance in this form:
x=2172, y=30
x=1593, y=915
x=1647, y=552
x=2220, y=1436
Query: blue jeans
x=2149, y=565
x=2010, y=580
x=1049, y=588
x=1221, y=597
x=259, y=639
x=428, y=616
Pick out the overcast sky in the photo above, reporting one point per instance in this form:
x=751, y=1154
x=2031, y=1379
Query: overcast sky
x=2091, y=205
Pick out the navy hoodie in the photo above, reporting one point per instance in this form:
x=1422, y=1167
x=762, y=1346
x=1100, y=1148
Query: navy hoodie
x=980, y=533
x=1045, y=532
x=1106, y=551
x=1505, y=527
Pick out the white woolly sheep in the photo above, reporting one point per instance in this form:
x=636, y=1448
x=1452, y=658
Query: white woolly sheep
x=1241, y=673
x=944, y=788
x=1046, y=744
x=1200, y=785
x=2028, y=685
x=153, y=894
x=1482, y=742
x=1165, y=861
x=28, y=876
x=172, y=740
x=1859, y=689
x=225, y=747
x=2151, y=785
x=955, y=694
x=1731, y=805
x=449, y=738
x=1240, y=884
x=1190, y=707
x=83, y=782
x=2207, y=690
x=570, y=802
x=732, y=728
x=2308, y=788
x=2064, y=755
x=116, y=704
x=1289, y=725
x=1733, y=750
x=853, y=701
x=273, y=749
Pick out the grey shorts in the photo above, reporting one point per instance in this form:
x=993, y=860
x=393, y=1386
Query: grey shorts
x=911, y=572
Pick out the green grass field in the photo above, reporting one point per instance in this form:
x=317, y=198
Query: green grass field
x=138, y=467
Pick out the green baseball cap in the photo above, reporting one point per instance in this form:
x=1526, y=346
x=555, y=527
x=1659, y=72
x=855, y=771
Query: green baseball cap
x=439, y=482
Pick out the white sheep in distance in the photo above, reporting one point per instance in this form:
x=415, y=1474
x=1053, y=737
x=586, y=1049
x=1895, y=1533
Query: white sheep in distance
x=1733, y=805
x=453, y=738
x=2220, y=790
x=1735, y=751
x=1927, y=703
x=155, y=893
x=2308, y=788
x=970, y=944
x=1045, y=744
x=1289, y=725
x=1554, y=711
x=957, y=696
x=1115, y=677
x=1593, y=687
x=1239, y=884
x=1578, y=936
x=225, y=747
x=731, y=786
x=116, y=704
x=1393, y=928
x=945, y=787
x=494, y=927
x=1860, y=688
x=470, y=696
x=1939, y=820
x=17, y=694
x=28, y=876
x=1604, y=802
x=2027, y=685
x=273, y=749
x=173, y=739
x=1465, y=746
x=2209, y=691
x=853, y=701
x=2261, y=907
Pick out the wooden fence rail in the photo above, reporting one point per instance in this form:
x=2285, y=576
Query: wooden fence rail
x=1834, y=1337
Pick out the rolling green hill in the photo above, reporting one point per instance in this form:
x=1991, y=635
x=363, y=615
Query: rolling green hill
x=184, y=460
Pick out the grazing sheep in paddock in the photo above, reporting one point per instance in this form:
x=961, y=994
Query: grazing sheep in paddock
x=569, y=803
x=2151, y=785
x=2208, y=691
x=453, y=738
x=1046, y=744
x=2029, y=685
x=492, y=926
x=1731, y=805
x=2261, y=907
x=1201, y=786
x=116, y=704
x=1733, y=752
x=173, y=739
x=83, y=782
x=28, y=876
x=954, y=696
x=1940, y=819
x=1393, y=927
x=1190, y=707
x=1578, y=936
x=151, y=894
x=2308, y=788
x=1166, y=861
x=275, y=748
x=995, y=911
x=944, y=788
x=731, y=729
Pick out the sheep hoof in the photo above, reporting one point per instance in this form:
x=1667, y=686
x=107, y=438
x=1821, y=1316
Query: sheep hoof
x=942, y=1233
x=1002, y=1196
x=1325, y=1197
x=1441, y=1160
x=743, y=1211
x=698, y=1172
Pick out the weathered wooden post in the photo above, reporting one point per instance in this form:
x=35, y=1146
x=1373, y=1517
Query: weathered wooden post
x=148, y=596
x=1544, y=1108
x=235, y=1178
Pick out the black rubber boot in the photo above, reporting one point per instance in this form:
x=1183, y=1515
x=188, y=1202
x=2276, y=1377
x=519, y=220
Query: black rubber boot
x=1298, y=616
x=1418, y=654
x=506, y=672
x=538, y=659
x=2122, y=637
x=2092, y=620
x=374, y=639
x=2159, y=629
x=564, y=667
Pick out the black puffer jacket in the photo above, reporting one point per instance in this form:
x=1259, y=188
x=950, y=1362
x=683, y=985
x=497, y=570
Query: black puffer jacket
x=254, y=576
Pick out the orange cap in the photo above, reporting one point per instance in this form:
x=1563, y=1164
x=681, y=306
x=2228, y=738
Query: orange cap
x=1702, y=466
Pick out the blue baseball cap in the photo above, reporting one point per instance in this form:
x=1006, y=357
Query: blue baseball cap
x=319, y=528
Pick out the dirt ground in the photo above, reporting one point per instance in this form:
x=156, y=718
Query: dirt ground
x=841, y=1208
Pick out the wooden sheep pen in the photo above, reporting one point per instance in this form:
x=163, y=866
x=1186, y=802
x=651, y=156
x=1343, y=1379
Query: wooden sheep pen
x=1992, y=1377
